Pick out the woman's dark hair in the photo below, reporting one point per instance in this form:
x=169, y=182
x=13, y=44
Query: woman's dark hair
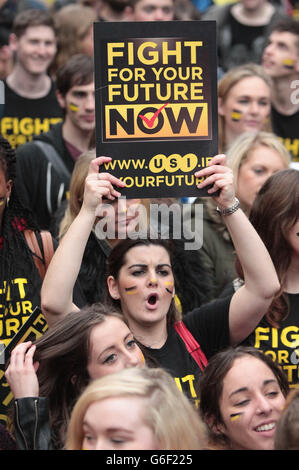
x=273, y=214
x=116, y=260
x=63, y=354
x=15, y=219
x=211, y=384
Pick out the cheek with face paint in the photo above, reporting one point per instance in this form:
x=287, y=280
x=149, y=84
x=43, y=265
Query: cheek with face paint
x=73, y=107
x=236, y=115
x=288, y=63
x=169, y=287
x=235, y=416
x=131, y=290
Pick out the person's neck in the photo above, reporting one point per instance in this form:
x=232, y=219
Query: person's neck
x=152, y=336
x=282, y=95
x=75, y=136
x=292, y=278
x=253, y=17
x=230, y=137
x=28, y=85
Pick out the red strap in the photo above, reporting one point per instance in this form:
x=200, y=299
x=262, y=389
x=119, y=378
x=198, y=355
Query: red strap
x=191, y=344
x=35, y=249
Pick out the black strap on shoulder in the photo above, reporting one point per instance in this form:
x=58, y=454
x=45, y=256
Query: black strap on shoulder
x=53, y=157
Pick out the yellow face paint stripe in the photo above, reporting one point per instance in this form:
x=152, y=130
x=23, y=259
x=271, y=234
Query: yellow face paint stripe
x=131, y=290
x=236, y=115
x=235, y=416
x=288, y=63
x=73, y=107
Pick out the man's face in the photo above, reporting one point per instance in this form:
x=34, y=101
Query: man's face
x=281, y=55
x=35, y=49
x=79, y=105
x=153, y=10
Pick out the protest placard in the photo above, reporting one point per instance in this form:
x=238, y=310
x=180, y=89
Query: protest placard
x=34, y=327
x=156, y=104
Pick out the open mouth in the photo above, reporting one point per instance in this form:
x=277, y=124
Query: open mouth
x=266, y=427
x=152, y=300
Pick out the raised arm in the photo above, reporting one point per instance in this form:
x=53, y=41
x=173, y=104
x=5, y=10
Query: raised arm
x=252, y=300
x=57, y=288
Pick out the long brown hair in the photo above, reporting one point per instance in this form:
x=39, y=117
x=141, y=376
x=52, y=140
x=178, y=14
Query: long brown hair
x=63, y=355
x=273, y=214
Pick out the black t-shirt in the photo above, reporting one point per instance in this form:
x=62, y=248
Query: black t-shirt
x=287, y=129
x=23, y=295
x=244, y=34
x=245, y=43
x=23, y=117
x=281, y=344
x=209, y=325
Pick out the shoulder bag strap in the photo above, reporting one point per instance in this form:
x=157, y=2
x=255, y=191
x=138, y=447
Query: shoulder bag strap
x=48, y=249
x=52, y=155
x=191, y=344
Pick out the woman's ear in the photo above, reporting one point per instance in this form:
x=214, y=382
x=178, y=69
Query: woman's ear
x=220, y=107
x=113, y=287
x=217, y=428
x=8, y=188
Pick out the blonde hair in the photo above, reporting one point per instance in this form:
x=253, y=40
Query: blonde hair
x=240, y=151
x=76, y=190
x=167, y=411
x=72, y=24
x=227, y=82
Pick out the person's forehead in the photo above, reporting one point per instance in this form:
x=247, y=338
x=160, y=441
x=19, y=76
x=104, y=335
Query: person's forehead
x=87, y=87
x=145, y=253
x=285, y=36
x=156, y=3
x=250, y=85
x=258, y=373
x=39, y=31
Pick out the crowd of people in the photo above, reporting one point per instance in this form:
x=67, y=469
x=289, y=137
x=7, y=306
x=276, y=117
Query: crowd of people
x=144, y=344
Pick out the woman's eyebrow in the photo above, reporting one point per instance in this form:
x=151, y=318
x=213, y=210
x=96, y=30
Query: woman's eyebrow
x=269, y=381
x=239, y=390
x=139, y=265
x=245, y=389
x=114, y=346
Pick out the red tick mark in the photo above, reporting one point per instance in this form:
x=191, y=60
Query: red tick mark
x=150, y=122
